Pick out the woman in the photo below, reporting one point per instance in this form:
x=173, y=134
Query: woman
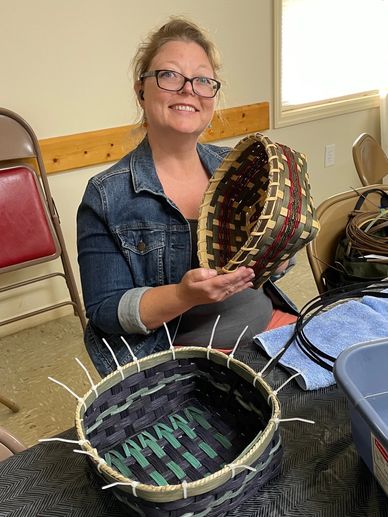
x=137, y=220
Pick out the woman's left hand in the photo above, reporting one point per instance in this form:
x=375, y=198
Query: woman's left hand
x=202, y=286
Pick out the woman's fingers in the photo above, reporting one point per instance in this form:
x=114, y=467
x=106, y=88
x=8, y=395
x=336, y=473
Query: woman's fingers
x=206, y=286
x=239, y=284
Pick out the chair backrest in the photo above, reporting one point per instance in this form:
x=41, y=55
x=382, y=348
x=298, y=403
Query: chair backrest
x=332, y=215
x=370, y=160
x=27, y=236
x=17, y=142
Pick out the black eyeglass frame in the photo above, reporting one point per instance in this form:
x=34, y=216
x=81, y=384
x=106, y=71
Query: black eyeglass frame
x=155, y=73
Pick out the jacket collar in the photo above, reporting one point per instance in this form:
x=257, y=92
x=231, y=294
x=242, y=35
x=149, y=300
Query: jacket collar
x=143, y=172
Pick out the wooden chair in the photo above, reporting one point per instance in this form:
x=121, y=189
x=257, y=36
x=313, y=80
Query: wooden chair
x=370, y=160
x=333, y=217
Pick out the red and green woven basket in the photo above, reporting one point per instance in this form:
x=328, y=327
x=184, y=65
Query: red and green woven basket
x=258, y=210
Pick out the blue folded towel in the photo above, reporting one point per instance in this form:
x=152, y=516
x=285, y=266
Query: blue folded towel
x=332, y=332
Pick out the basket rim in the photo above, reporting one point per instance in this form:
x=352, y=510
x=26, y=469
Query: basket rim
x=174, y=492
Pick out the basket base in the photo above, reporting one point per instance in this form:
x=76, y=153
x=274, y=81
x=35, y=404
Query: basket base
x=188, y=444
x=218, y=502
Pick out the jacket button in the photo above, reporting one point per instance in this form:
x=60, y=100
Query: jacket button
x=141, y=246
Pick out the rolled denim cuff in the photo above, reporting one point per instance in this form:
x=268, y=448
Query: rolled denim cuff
x=128, y=311
x=291, y=264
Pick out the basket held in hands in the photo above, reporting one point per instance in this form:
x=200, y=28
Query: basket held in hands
x=257, y=210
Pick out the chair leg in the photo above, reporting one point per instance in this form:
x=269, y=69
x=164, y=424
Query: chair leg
x=69, y=276
x=9, y=403
x=70, y=281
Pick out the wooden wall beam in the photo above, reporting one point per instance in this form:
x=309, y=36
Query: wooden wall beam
x=107, y=145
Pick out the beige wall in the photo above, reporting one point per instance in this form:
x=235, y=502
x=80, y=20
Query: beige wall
x=66, y=69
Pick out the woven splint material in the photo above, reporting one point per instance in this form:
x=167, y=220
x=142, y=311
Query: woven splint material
x=257, y=211
x=192, y=435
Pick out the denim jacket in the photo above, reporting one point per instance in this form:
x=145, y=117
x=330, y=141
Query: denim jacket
x=131, y=237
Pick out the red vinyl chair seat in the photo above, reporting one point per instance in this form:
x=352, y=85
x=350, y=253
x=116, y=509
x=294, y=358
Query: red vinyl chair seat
x=25, y=229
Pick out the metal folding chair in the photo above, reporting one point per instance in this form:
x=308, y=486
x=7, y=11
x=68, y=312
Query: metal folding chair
x=30, y=230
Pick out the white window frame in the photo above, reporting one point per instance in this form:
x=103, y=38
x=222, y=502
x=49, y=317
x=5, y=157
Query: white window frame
x=312, y=111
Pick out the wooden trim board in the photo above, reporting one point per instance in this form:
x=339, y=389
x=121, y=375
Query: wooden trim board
x=107, y=145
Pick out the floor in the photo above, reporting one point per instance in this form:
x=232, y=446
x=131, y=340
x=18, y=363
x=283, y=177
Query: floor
x=29, y=357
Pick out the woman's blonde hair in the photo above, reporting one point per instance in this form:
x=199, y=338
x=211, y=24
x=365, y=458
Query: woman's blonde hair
x=177, y=28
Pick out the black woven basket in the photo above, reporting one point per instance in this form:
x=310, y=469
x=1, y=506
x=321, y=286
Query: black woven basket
x=188, y=432
x=257, y=210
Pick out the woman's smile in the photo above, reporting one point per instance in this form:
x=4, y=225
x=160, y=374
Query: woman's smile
x=184, y=107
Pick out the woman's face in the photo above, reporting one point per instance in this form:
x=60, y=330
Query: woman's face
x=183, y=112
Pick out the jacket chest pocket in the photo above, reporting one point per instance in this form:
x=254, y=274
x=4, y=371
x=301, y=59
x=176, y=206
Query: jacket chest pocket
x=144, y=250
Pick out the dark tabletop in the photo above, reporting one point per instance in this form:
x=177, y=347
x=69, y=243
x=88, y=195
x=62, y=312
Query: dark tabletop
x=322, y=474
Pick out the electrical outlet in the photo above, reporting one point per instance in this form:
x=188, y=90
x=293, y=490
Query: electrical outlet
x=329, y=155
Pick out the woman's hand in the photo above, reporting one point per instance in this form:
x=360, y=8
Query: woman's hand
x=197, y=287
x=202, y=286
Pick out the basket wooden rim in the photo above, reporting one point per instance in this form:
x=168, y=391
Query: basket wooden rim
x=175, y=492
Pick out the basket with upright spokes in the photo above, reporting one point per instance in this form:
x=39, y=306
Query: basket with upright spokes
x=189, y=431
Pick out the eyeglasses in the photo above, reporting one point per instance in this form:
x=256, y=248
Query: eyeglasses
x=174, y=82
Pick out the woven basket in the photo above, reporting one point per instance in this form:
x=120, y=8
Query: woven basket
x=257, y=210
x=192, y=435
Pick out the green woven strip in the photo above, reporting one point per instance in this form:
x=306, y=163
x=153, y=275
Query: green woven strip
x=158, y=478
x=187, y=430
x=135, y=454
x=179, y=422
x=208, y=450
x=145, y=435
x=115, y=459
x=175, y=468
x=192, y=460
x=174, y=419
x=107, y=412
x=122, y=407
x=222, y=440
x=153, y=445
x=193, y=413
x=132, y=444
x=163, y=431
x=100, y=419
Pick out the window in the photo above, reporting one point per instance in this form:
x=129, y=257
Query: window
x=331, y=57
